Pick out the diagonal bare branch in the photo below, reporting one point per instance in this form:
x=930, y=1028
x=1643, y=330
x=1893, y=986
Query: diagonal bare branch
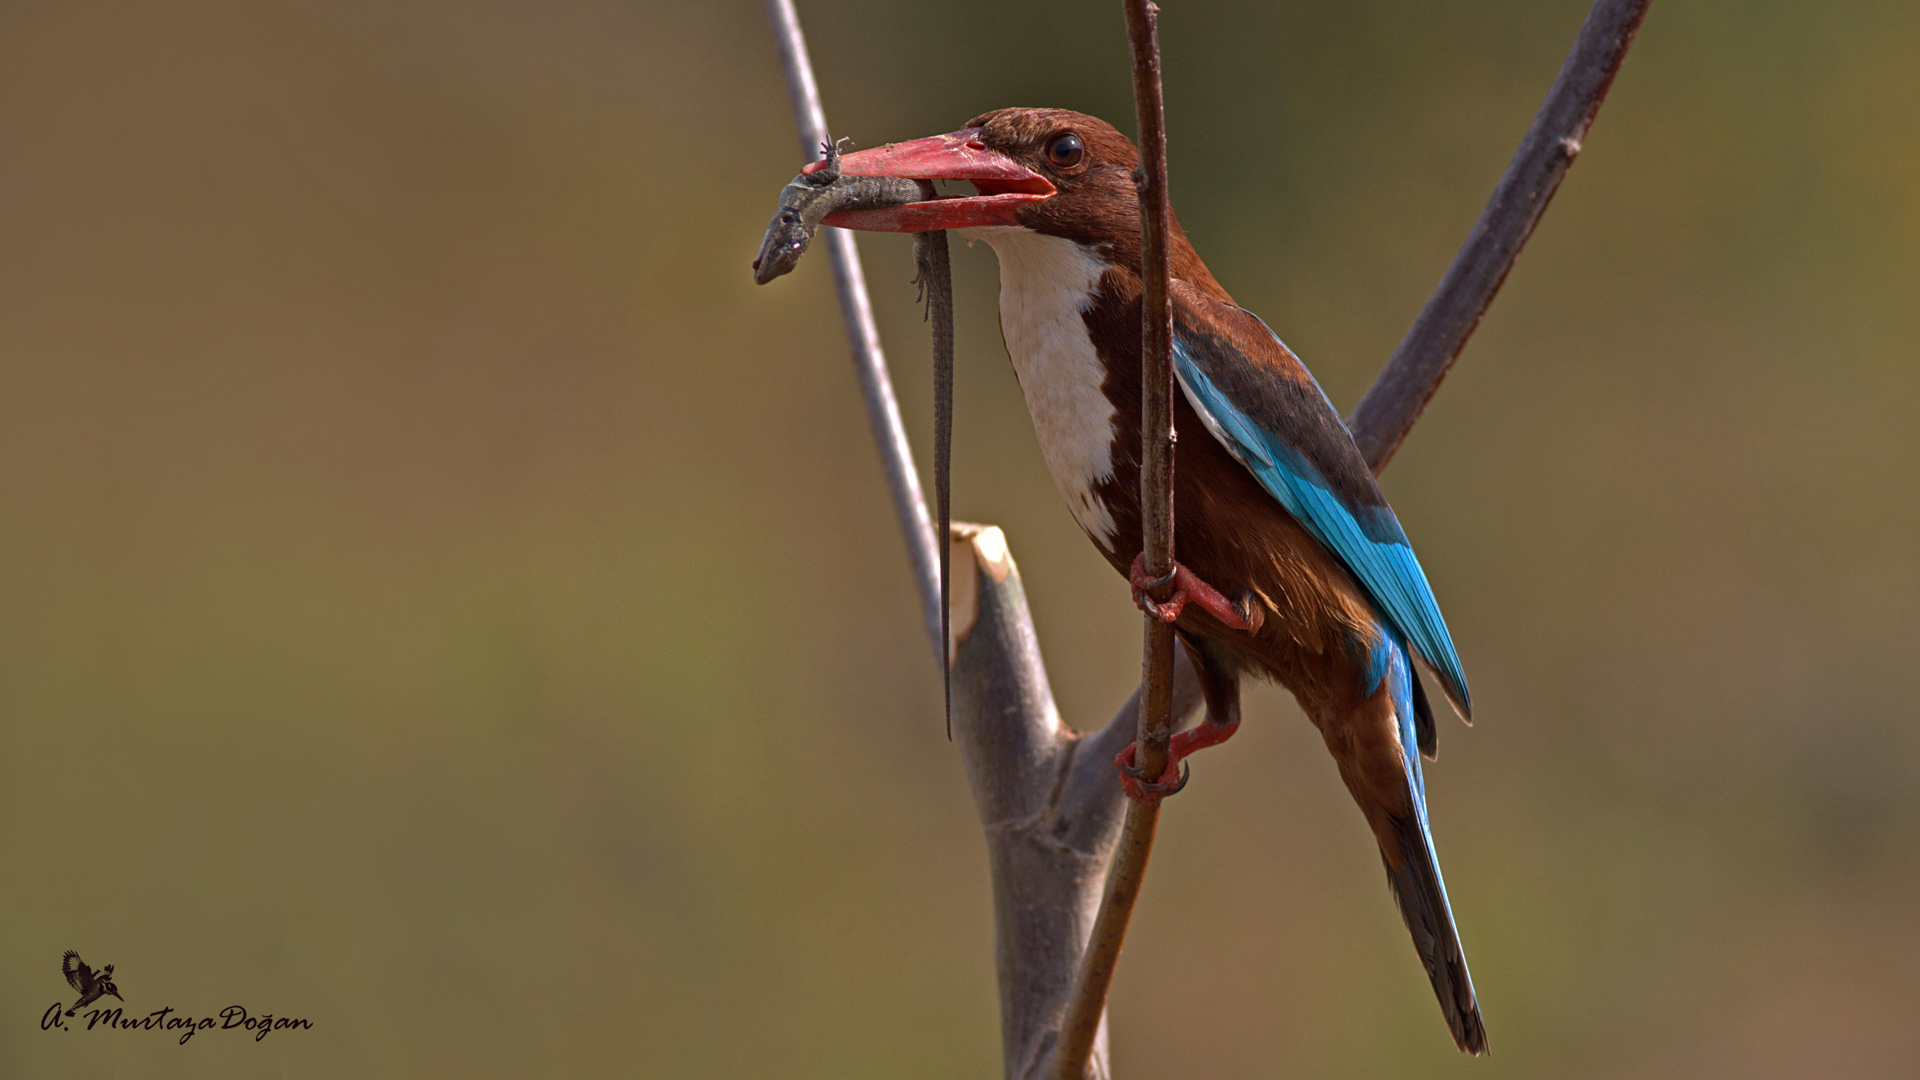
x=1411, y=378
x=856, y=310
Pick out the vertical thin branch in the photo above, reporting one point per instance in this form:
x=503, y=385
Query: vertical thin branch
x=1085, y=1009
x=1410, y=379
x=1156, y=380
x=869, y=363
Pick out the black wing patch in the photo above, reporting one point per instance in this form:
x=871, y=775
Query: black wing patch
x=1423, y=721
x=79, y=975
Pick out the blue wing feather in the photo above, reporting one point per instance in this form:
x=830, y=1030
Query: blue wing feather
x=1367, y=539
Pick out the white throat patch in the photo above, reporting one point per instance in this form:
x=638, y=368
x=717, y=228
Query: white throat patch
x=1046, y=286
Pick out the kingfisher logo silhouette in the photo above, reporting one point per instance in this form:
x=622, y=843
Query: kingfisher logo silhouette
x=93, y=986
x=90, y=986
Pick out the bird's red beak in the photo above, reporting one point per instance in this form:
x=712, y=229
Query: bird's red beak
x=1004, y=184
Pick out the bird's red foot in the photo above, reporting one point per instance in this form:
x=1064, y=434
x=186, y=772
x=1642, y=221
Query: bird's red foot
x=1187, y=587
x=1148, y=792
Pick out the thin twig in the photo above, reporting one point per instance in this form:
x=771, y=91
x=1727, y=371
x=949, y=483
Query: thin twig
x=869, y=363
x=1081, y=1024
x=1410, y=379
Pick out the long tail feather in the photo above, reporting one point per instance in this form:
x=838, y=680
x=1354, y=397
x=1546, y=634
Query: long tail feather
x=1418, y=888
x=1423, y=904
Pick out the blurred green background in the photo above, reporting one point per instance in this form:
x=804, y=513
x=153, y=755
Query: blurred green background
x=443, y=598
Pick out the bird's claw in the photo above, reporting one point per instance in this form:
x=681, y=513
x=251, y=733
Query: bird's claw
x=1187, y=588
x=1149, y=792
x=1144, y=587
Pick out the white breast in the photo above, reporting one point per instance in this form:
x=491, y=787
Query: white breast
x=1046, y=286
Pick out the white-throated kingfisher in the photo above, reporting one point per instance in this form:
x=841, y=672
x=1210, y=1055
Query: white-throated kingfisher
x=1291, y=563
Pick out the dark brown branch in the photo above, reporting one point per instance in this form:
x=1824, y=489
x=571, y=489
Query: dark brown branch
x=1411, y=378
x=1087, y=1008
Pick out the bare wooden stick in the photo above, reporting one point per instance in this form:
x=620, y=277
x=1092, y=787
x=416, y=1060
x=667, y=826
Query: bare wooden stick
x=1086, y=1010
x=869, y=363
x=1411, y=378
x=1046, y=796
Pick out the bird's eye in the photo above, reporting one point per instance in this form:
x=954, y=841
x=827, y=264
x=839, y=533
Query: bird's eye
x=1064, y=151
